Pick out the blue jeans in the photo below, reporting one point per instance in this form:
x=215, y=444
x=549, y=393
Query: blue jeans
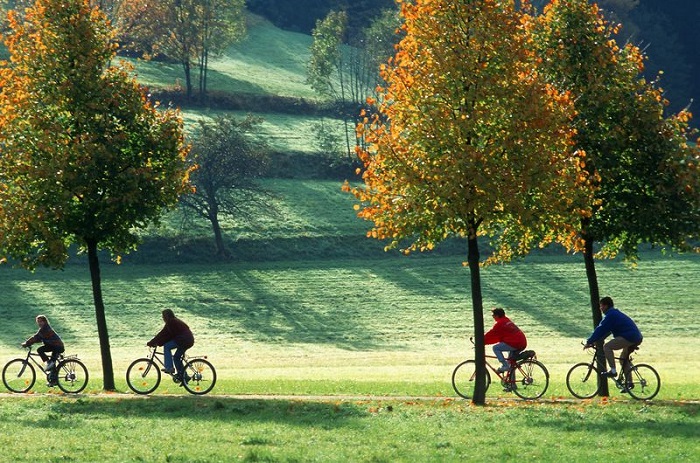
x=168, y=356
x=499, y=349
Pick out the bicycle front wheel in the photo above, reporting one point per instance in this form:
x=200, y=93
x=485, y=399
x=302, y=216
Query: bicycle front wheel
x=18, y=375
x=464, y=379
x=200, y=376
x=531, y=379
x=582, y=381
x=72, y=376
x=143, y=376
x=645, y=382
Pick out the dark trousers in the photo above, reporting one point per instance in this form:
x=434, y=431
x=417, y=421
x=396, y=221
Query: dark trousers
x=55, y=352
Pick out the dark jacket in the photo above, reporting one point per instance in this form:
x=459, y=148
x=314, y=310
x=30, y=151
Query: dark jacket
x=174, y=330
x=506, y=331
x=617, y=323
x=47, y=335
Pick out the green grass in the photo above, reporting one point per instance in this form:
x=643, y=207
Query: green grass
x=269, y=61
x=392, y=326
x=230, y=429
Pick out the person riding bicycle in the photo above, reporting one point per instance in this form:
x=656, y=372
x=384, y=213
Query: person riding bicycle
x=626, y=336
x=174, y=335
x=52, y=343
x=506, y=337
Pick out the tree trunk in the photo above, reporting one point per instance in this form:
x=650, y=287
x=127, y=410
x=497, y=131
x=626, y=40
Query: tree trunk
x=595, y=310
x=478, y=308
x=218, y=237
x=188, y=78
x=107, y=369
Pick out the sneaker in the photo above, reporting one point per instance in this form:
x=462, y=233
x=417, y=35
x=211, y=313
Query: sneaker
x=503, y=369
x=629, y=386
x=169, y=371
x=609, y=374
x=51, y=384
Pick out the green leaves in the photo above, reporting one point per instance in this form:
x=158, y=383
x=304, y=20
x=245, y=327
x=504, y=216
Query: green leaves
x=85, y=156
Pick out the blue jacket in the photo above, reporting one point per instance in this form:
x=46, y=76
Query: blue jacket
x=617, y=323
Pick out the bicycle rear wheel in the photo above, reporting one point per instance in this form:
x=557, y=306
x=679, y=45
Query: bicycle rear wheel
x=464, y=379
x=18, y=375
x=72, y=376
x=645, y=382
x=200, y=376
x=531, y=379
x=143, y=376
x=582, y=381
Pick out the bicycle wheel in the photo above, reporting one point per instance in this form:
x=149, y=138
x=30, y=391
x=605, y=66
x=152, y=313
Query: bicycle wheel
x=143, y=376
x=582, y=381
x=18, y=375
x=531, y=379
x=72, y=376
x=200, y=376
x=646, y=382
x=464, y=379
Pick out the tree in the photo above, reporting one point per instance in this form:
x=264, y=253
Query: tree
x=85, y=157
x=644, y=169
x=469, y=141
x=183, y=30
x=348, y=72
x=230, y=160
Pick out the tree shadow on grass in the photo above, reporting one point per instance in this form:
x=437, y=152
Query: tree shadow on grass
x=301, y=413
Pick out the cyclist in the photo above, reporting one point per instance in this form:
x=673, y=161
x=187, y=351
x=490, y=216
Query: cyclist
x=626, y=336
x=174, y=335
x=52, y=343
x=505, y=337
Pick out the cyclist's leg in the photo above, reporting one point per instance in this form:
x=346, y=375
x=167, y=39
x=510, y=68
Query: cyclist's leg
x=168, y=354
x=611, y=346
x=179, y=353
x=42, y=353
x=498, y=350
x=624, y=360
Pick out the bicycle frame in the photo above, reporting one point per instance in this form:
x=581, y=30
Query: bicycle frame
x=31, y=356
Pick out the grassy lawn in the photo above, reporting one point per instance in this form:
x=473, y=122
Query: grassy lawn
x=209, y=429
x=390, y=326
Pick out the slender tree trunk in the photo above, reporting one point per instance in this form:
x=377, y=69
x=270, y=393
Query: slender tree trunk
x=188, y=78
x=107, y=369
x=595, y=310
x=478, y=308
x=218, y=237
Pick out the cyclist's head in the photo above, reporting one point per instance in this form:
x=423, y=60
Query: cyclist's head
x=606, y=303
x=42, y=319
x=168, y=314
x=498, y=312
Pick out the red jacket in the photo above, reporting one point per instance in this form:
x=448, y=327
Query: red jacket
x=506, y=331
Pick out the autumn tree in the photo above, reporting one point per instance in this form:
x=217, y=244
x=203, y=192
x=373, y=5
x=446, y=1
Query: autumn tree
x=469, y=141
x=230, y=159
x=85, y=157
x=644, y=169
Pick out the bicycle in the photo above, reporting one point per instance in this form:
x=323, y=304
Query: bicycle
x=527, y=377
x=144, y=375
x=644, y=382
x=69, y=373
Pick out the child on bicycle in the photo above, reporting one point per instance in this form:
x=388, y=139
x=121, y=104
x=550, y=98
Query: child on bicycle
x=52, y=343
x=505, y=337
x=174, y=335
